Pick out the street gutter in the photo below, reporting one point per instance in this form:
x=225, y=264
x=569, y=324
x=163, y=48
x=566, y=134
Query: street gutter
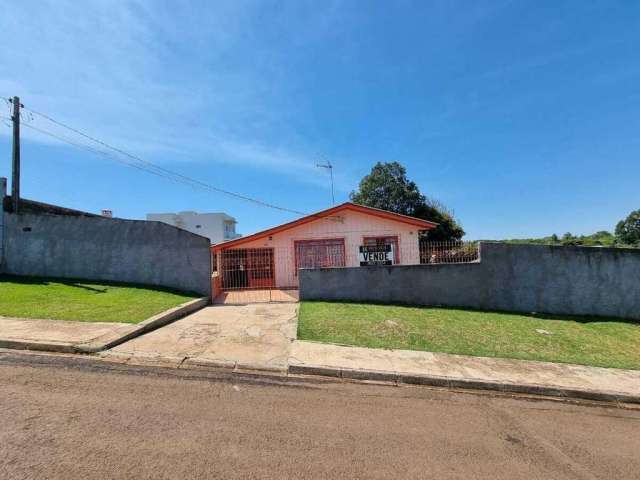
x=453, y=383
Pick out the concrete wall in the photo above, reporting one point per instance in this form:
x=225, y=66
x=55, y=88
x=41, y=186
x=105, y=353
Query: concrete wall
x=97, y=248
x=524, y=278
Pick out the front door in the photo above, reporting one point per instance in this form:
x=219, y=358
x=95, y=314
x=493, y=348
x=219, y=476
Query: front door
x=247, y=268
x=260, y=268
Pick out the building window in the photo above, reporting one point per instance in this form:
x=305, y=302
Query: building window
x=389, y=240
x=319, y=253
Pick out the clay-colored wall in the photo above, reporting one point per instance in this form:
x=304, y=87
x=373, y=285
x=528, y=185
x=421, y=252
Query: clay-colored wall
x=348, y=225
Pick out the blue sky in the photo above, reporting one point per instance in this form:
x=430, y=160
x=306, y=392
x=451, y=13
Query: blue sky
x=523, y=117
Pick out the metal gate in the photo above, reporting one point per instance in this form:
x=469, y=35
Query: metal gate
x=247, y=268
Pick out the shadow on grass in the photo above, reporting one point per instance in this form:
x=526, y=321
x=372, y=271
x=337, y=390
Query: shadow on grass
x=90, y=285
x=532, y=315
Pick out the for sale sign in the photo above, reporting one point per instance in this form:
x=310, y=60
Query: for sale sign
x=376, y=255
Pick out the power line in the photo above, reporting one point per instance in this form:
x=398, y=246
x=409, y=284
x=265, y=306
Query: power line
x=104, y=154
x=96, y=151
x=159, y=171
x=159, y=168
x=110, y=156
x=8, y=104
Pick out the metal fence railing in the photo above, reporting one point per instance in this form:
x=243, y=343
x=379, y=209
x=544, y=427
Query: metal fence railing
x=453, y=251
x=278, y=267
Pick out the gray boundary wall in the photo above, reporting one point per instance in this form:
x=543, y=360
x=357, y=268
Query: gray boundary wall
x=520, y=278
x=97, y=248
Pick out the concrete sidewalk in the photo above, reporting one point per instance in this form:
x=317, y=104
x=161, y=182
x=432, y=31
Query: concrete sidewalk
x=261, y=338
x=82, y=337
x=55, y=335
x=459, y=371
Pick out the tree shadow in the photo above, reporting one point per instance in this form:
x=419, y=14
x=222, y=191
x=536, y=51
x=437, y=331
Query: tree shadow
x=84, y=287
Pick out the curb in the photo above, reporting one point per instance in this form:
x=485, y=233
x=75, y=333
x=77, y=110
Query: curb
x=461, y=383
x=110, y=340
x=214, y=370
x=315, y=373
x=197, y=363
x=37, y=346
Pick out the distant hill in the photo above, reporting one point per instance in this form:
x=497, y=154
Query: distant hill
x=627, y=234
x=598, y=239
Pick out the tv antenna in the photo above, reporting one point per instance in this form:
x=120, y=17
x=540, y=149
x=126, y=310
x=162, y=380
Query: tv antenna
x=329, y=167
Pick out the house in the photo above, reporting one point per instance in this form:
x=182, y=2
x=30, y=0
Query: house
x=217, y=227
x=347, y=235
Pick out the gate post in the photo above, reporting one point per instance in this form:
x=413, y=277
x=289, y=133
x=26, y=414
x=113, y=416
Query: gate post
x=214, y=270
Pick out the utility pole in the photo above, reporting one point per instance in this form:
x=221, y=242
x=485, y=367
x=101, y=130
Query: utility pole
x=329, y=167
x=15, y=176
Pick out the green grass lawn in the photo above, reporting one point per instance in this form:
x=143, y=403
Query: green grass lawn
x=582, y=340
x=84, y=301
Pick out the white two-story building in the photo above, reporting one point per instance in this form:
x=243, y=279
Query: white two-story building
x=217, y=227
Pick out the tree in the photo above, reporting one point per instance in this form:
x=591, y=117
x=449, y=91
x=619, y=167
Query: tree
x=387, y=187
x=568, y=239
x=628, y=230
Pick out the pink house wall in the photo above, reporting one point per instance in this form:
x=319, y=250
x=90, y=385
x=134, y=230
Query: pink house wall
x=348, y=225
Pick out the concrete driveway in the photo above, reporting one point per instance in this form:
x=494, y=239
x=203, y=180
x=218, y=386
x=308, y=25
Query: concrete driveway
x=247, y=337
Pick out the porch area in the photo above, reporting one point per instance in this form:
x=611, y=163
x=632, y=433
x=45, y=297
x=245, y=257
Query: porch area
x=270, y=274
x=267, y=295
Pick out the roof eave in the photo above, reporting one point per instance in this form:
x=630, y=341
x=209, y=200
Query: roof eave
x=425, y=224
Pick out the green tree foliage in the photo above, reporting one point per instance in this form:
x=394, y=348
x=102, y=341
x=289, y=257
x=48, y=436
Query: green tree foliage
x=628, y=230
x=627, y=234
x=387, y=187
x=598, y=239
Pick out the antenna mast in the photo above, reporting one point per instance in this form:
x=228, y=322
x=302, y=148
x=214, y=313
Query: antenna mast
x=329, y=167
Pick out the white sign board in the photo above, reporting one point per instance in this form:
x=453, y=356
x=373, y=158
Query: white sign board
x=376, y=255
